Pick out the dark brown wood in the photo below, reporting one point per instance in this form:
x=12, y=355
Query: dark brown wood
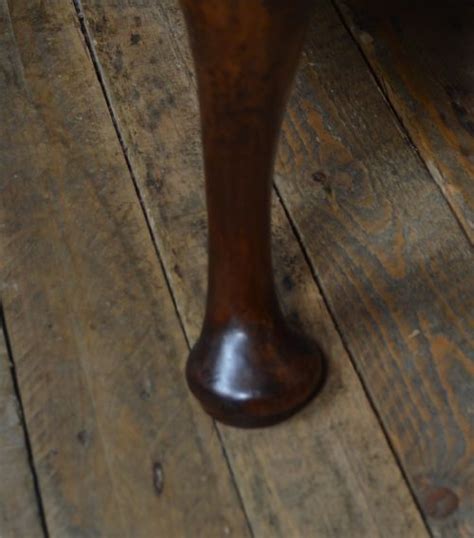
x=247, y=368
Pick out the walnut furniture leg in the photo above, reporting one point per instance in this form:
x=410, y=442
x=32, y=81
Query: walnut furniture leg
x=248, y=368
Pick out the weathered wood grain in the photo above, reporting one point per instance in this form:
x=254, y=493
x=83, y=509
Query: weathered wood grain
x=119, y=446
x=19, y=509
x=328, y=472
x=422, y=56
x=393, y=263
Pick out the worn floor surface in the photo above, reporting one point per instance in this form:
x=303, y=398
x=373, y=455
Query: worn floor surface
x=103, y=273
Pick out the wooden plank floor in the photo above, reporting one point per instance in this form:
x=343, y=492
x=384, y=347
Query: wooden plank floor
x=20, y=511
x=103, y=272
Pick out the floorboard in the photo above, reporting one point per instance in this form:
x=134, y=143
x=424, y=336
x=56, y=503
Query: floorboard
x=19, y=509
x=393, y=262
x=120, y=448
x=422, y=56
x=329, y=471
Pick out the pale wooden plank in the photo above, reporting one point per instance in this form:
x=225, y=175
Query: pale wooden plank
x=19, y=509
x=119, y=446
x=328, y=471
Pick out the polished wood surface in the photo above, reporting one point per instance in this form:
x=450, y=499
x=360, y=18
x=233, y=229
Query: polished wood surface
x=248, y=368
x=376, y=453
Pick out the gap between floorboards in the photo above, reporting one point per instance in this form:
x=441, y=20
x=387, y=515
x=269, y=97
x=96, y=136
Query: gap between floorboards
x=17, y=394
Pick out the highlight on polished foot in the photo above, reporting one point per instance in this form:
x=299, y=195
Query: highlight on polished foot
x=248, y=368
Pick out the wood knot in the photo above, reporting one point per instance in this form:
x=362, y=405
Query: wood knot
x=288, y=283
x=320, y=177
x=158, y=478
x=84, y=437
x=322, y=180
x=439, y=502
x=135, y=39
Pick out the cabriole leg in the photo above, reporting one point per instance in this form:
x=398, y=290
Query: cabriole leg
x=247, y=368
